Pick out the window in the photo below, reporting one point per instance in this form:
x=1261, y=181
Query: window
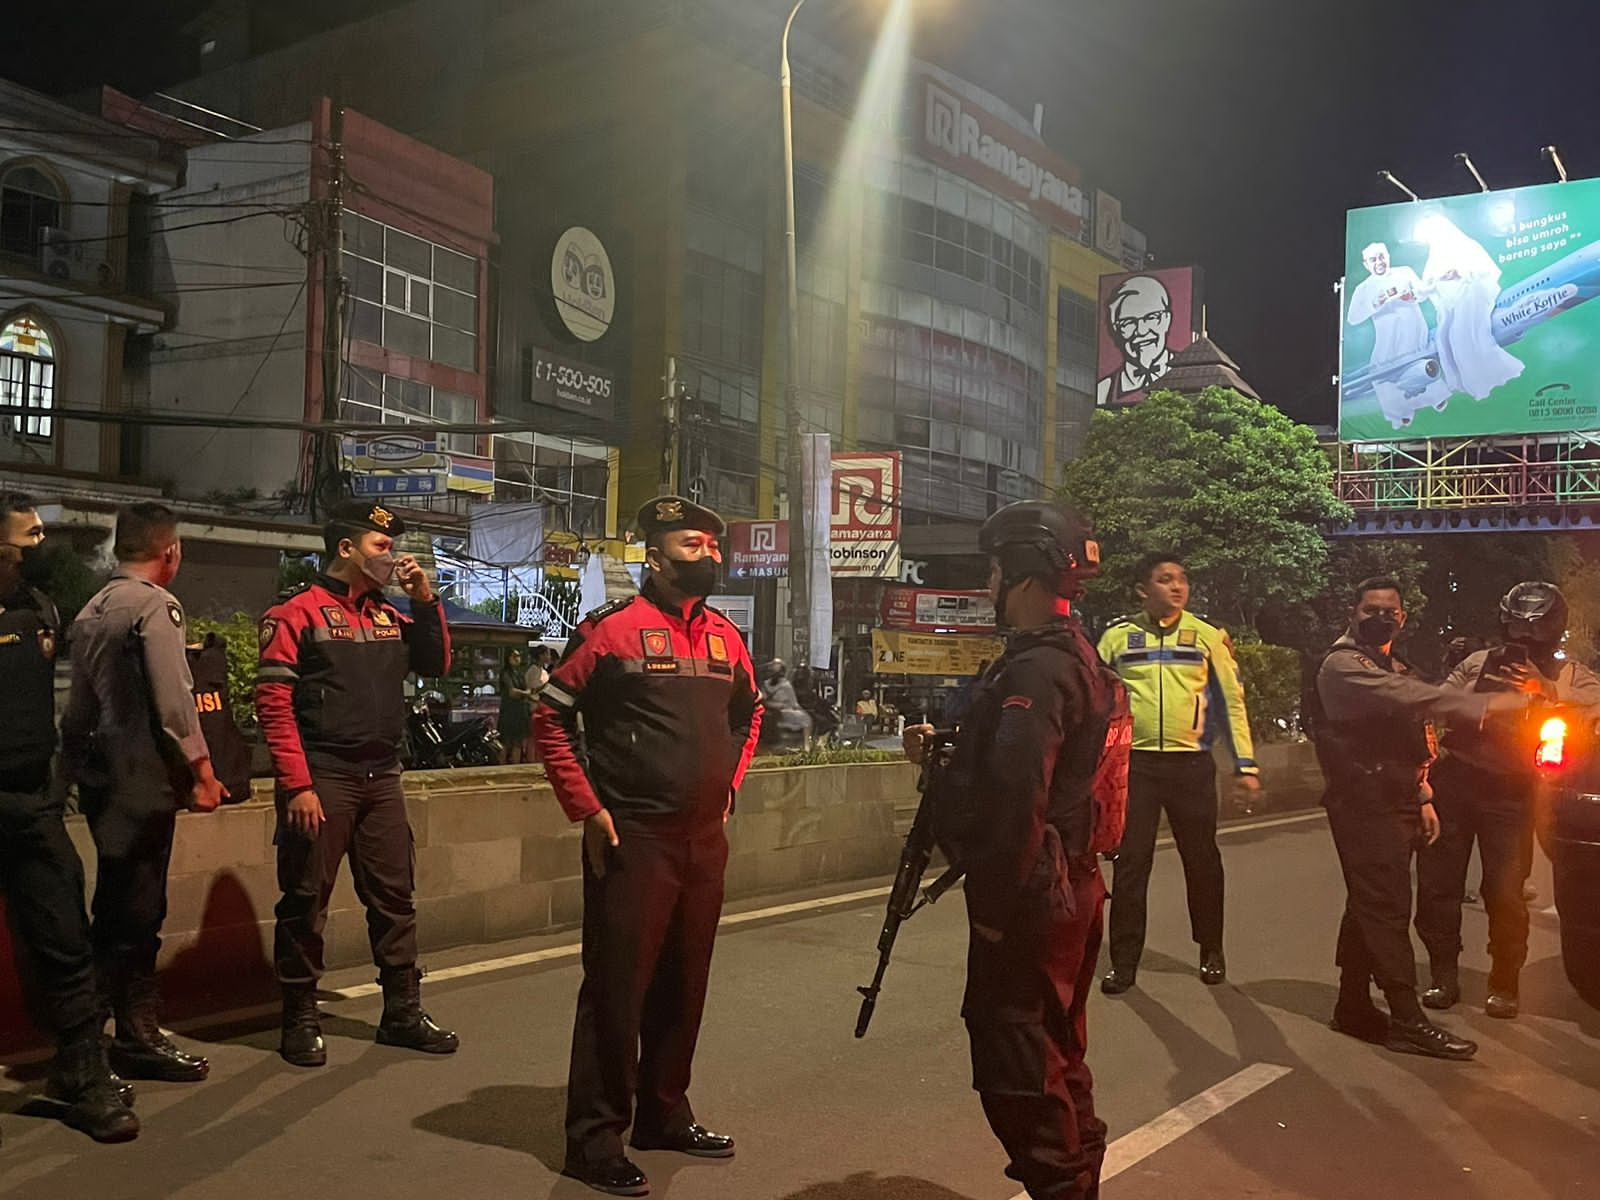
x=410, y=295
x=1075, y=318
x=569, y=474
x=721, y=311
x=28, y=377
x=30, y=203
x=391, y=400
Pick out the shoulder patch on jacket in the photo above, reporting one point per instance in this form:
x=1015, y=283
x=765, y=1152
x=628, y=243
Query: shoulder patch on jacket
x=608, y=610
x=289, y=593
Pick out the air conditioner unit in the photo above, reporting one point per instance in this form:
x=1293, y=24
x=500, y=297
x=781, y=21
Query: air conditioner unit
x=58, y=253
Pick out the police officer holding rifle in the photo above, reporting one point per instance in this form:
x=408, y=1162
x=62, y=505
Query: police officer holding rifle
x=1019, y=814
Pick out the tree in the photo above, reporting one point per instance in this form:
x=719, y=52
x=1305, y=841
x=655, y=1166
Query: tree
x=1314, y=625
x=1231, y=484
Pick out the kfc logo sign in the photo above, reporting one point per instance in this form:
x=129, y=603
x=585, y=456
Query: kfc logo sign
x=864, y=531
x=758, y=549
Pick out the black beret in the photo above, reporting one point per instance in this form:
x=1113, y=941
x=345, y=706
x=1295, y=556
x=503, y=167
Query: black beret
x=668, y=514
x=366, y=515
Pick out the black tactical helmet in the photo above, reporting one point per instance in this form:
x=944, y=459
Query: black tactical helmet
x=1034, y=538
x=1534, y=611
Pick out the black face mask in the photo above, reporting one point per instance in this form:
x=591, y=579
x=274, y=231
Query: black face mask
x=35, y=566
x=1377, y=630
x=694, y=577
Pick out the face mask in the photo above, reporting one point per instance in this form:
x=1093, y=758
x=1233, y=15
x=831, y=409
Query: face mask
x=1377, y=630
x=35, y=567
x=694, y=577
x=379, y=568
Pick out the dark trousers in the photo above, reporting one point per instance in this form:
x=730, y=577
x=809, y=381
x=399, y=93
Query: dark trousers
x=43, y=881
x=1025, y=1013
x=132, y=821
x=1496, y=811
x=1375, y=828
x=366, y=820
x=1184, y=785
x=648, y=930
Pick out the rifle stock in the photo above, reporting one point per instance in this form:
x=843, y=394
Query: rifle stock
x=907, y=894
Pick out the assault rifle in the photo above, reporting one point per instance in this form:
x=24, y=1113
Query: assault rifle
x=908, y=894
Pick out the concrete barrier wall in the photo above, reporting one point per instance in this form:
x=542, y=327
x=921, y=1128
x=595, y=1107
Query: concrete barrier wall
x=495, y=858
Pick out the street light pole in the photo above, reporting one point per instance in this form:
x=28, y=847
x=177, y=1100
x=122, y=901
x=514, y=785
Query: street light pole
x=799, y=518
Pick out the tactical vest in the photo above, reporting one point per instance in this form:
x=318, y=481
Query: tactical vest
x=230, y=753
x=1372, y=745
x=30, y=631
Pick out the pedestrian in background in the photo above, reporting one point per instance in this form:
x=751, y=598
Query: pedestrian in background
x=516, y=708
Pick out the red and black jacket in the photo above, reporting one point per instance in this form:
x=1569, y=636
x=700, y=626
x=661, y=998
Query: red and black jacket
x=331, y=680
x=670, y=713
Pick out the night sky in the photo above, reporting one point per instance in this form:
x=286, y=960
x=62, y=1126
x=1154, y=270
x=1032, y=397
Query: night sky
x=1236, y=132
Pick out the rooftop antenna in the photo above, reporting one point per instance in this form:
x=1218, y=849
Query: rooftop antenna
x=1466, y=162
x=1388, y=177
x=1554, y=156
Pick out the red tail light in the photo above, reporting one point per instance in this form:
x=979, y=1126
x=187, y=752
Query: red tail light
x=1552, y=750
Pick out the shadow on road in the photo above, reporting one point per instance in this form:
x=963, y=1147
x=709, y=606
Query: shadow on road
x=521, y=1117
x=867, y=1186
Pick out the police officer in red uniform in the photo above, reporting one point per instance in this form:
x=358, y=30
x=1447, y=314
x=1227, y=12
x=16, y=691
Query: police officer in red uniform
x=671, y=715
x=331, y=701
x=1019, y=815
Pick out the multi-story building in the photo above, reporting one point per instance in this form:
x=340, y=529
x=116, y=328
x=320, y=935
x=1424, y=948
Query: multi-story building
x=948, y=260
x=75, y=297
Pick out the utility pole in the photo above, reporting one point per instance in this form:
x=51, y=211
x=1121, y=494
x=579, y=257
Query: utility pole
x=670, y=427
x=799, y=519
x=333, y=303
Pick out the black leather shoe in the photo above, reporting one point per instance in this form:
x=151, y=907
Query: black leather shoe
x=1366, y=1025
x=155, y=1056
x=696, y=1140
x=1503, y=1006
x=1424, y=1037
x=1441, y=997
x=1116, y=982
x=1213, y=967
x=614, y=1177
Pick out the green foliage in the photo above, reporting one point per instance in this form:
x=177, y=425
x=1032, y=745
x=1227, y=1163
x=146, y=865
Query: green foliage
x=821, y=755
x=1231, y=484
x=70, y=581
x=1271, y=687
x=1314, y=625
x=295, y=569
x=239, y=634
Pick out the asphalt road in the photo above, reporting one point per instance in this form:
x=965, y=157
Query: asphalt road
x=1210, y=1092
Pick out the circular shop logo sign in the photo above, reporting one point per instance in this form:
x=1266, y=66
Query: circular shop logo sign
x=584, y=287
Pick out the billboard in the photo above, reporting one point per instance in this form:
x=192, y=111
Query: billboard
x=758, y=549
x=927, y=610
x=1468, y=316
x=865, y=523
x=947, y=654
x=1145, y=318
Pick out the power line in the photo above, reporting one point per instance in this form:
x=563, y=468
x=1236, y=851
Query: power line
x=134, y=135
x=256, y=374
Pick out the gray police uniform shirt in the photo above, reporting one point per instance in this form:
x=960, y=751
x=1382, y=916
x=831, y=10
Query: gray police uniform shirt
x=105, y=697
x=1574, y=684
x=1354, y=687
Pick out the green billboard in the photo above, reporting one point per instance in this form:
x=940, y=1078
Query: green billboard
x=1468, y=316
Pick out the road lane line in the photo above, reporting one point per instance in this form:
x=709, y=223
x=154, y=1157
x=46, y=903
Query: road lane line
x=1133, y=1148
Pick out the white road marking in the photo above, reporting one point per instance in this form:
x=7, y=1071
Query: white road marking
x=1132, y=1148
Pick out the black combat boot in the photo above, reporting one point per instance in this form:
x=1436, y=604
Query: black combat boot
x=302, y=1044
x=404, y=1023
x=81, y=1079
x=142, y=1049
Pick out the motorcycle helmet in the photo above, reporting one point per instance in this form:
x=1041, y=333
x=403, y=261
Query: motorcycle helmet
x=1535, y=613
x=1034, y=539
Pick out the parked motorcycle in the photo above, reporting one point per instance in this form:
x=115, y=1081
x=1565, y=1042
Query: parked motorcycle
x=429, y=746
